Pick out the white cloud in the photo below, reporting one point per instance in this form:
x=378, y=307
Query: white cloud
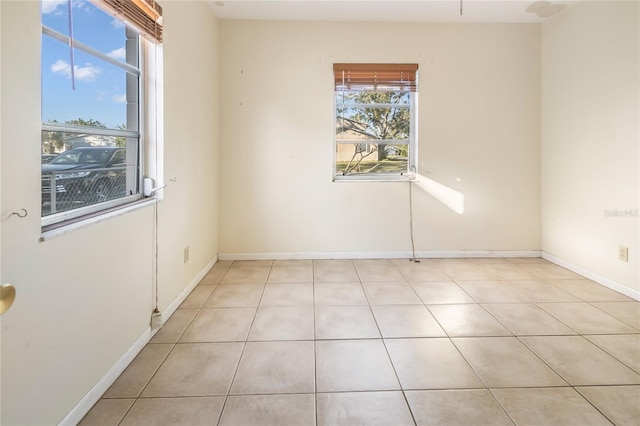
x=118, y=53
x=49, y=6
x=121, y=99
x=116, y=23
x=86, y=73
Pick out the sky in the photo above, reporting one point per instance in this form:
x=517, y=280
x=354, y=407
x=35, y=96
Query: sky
x=99, y=86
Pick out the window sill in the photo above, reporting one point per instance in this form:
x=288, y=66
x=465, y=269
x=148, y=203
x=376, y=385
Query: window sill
x=56, y=230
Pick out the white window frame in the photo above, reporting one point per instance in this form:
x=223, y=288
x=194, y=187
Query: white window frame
x=144, y=145
x=411, y=142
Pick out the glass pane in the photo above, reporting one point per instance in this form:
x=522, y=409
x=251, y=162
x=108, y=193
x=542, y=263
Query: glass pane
x=372, y=123
x=367, y=158
x=80, y=170
x=368, y=97
x=91, y=26
x=99, y=98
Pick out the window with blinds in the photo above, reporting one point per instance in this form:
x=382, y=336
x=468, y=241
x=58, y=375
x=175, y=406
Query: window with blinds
x=375, y=121
x=92, y=82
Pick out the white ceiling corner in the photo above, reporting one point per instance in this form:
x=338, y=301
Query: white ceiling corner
x=487, y=11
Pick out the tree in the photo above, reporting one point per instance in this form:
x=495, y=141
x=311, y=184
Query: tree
x=54, y=142
x=121, y=140
x=380, y=123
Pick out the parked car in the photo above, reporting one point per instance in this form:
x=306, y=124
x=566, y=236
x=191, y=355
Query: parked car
x=87, y=174
x=48, y=157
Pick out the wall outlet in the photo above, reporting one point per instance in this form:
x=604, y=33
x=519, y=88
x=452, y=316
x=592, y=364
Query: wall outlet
x=186, y=254
x=623, y=254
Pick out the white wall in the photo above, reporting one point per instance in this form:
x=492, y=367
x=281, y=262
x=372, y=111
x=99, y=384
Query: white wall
x=590, y=138
x=479, y=121
x=84, y=298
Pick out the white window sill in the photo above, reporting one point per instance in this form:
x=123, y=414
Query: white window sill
x=62, y=228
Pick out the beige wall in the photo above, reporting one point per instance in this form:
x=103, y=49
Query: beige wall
x=479, y=121
x=590, y=137
x=85, y=297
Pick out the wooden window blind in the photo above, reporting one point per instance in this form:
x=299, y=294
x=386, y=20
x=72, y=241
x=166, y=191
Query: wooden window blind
x=376, y=77
x=145, y=16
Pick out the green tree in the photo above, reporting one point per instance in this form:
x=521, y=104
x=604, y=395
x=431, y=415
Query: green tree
x=379, y=123
x=53, y=142
x=121, y=141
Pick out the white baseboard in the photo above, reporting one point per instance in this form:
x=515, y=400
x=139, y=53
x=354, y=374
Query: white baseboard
x=95, y=393
x=379, y=255
x=166, y=314
x=82, y=408
x=613, y=285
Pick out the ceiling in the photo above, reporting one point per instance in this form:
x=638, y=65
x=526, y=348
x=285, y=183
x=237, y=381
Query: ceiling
x=505, y=11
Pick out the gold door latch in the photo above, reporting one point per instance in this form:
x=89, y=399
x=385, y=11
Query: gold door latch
x=7, y=296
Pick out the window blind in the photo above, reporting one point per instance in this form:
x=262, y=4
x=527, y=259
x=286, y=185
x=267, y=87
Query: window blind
x=376, y=77
x=145, y=16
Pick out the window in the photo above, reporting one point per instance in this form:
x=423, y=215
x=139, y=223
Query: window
x=93, y=89
x=375, y=121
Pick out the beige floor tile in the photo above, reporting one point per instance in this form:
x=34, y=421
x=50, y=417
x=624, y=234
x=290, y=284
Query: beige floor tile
x=235, y=296
x=175, y=326
x=287, y=295
x=377, y=271
x=621, y=404
x=492, y=292
x=467, y=320
x=252, y=263
x=246, y=275
x=447, y=261
x=196, y=369
x=363, y=408
x=623, y=347
x=422, y=272
x=406, y=321
x=216, y=273
x=283, y=323
x=456, y=407
x=175, y=411
x=198, y=296
x=345, y=322
x=269, y=410
x=505, y=362
x=430, y=364
x=549, y=406
x=339, y=294
x=527, y=319
x=353, y=365
x=107, y=412
x=507, y=271
x=590, y=291
x=627, y=312
x=586, y=319
x=468, y=271
x=275, y=367
x=136, y=376
x=342, y=272
x=580, y=362
x=549, y=271
x=441, y=292
x=220, y=325
x=290, y=274
x=390, y=293
x=293, y=262
x=540, y=291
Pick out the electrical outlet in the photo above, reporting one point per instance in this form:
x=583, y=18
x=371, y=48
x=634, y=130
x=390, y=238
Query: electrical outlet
x=623, y=254
x=186, y=254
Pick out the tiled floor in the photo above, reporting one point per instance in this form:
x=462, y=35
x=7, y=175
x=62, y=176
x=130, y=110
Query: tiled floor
x=387, y=342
